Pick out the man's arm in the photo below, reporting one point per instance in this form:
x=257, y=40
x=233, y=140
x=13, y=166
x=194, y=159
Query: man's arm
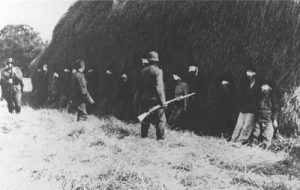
x=160, y=87
x=84, y=91
x=275, y=110
x=185, y=92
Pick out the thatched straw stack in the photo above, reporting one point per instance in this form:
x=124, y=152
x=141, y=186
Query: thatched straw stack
x=218, y=36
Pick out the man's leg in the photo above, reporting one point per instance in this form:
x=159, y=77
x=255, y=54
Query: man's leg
x=247, y=128
x=238, y=128
x=17, y=101
x=144, y=129
x=10, y=104
x=267, y=134
x=81, y=112
x=178, y=117
x=256, y=134
x=160, y=123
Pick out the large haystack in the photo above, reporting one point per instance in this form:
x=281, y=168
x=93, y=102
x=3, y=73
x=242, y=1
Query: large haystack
x=218, y=36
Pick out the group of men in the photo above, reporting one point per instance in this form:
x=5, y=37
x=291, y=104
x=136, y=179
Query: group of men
x=12, y=85
x=254, y=117
x=258, y=107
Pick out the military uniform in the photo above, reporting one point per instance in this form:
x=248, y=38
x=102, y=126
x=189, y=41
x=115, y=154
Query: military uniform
x=80, y=95
x=179, y=108
x=151, y=93
x=12, y=83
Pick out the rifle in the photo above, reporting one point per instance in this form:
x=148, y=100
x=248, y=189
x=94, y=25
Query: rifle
x=146, y=114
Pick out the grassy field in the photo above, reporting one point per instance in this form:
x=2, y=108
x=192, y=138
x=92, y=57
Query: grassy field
x=48, y=149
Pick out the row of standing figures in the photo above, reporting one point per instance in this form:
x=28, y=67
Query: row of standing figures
x=251, y=121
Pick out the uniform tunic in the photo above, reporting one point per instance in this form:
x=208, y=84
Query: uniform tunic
x=151, y=92
x=80, y=95
x=13, y=92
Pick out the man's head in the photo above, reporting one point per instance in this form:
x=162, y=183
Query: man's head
x=176, y=77
x=250, y=72
x=124, y=77
x=144, y=62
x=10, y=62
x=193, y=70
x=225, y=84
x=45, y=68
x=266, y=87
x=79, y=65
x=152, y=57
x=226, y=81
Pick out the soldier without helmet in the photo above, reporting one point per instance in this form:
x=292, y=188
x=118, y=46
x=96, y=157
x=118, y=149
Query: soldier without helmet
x=80, y=95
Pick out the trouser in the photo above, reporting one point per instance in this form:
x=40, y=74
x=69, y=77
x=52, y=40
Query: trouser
x=176, y=117
x=263, y=133
x=14, y=102
x=157, y=118
x=243, y=128
x=81, y=112
x=227, y=122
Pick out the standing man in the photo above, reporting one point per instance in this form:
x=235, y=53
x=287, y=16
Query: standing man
x=12, y=81
x=267, y=114
x=248, y=108
x=80, y=95
x=179, y=108
x=42, y=89
x=195, y=106
x=124, y=99
x=226, y=105
x=151, y=92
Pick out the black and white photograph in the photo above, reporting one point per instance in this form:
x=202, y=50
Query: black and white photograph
x=150, y=95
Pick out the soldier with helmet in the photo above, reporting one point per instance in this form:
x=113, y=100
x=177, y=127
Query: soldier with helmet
x=150, y=93
x=12, y=84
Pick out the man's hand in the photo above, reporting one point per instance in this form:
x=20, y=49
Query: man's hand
x=164, y=105
x=92, y=101
x=10, y=81
x=275, y=124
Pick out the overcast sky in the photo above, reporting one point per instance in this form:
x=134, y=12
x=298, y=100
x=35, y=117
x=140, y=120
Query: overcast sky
x=42, y=15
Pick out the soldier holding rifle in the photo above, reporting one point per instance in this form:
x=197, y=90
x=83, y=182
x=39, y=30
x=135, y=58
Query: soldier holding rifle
x=12, y=84
x=150, y=93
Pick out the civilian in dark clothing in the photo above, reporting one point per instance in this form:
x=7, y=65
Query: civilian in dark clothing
x=65, y=88
x=42, y=89
x=109, y=90
x=195, y=106
x=248, y=108
x=176, y=118
x=267, y=114
x=226, y=105
x=124, y=98
x=80, y=95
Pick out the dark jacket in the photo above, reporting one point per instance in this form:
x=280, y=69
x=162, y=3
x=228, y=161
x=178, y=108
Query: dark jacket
x=79, y=92
x=268, y=108
x=151, y=87
x=182, y=89
x=227, y=101
x=249, y=98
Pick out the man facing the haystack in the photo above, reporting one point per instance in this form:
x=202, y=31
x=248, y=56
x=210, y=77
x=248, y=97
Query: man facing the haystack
x=151, y=93
x=80, y=95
